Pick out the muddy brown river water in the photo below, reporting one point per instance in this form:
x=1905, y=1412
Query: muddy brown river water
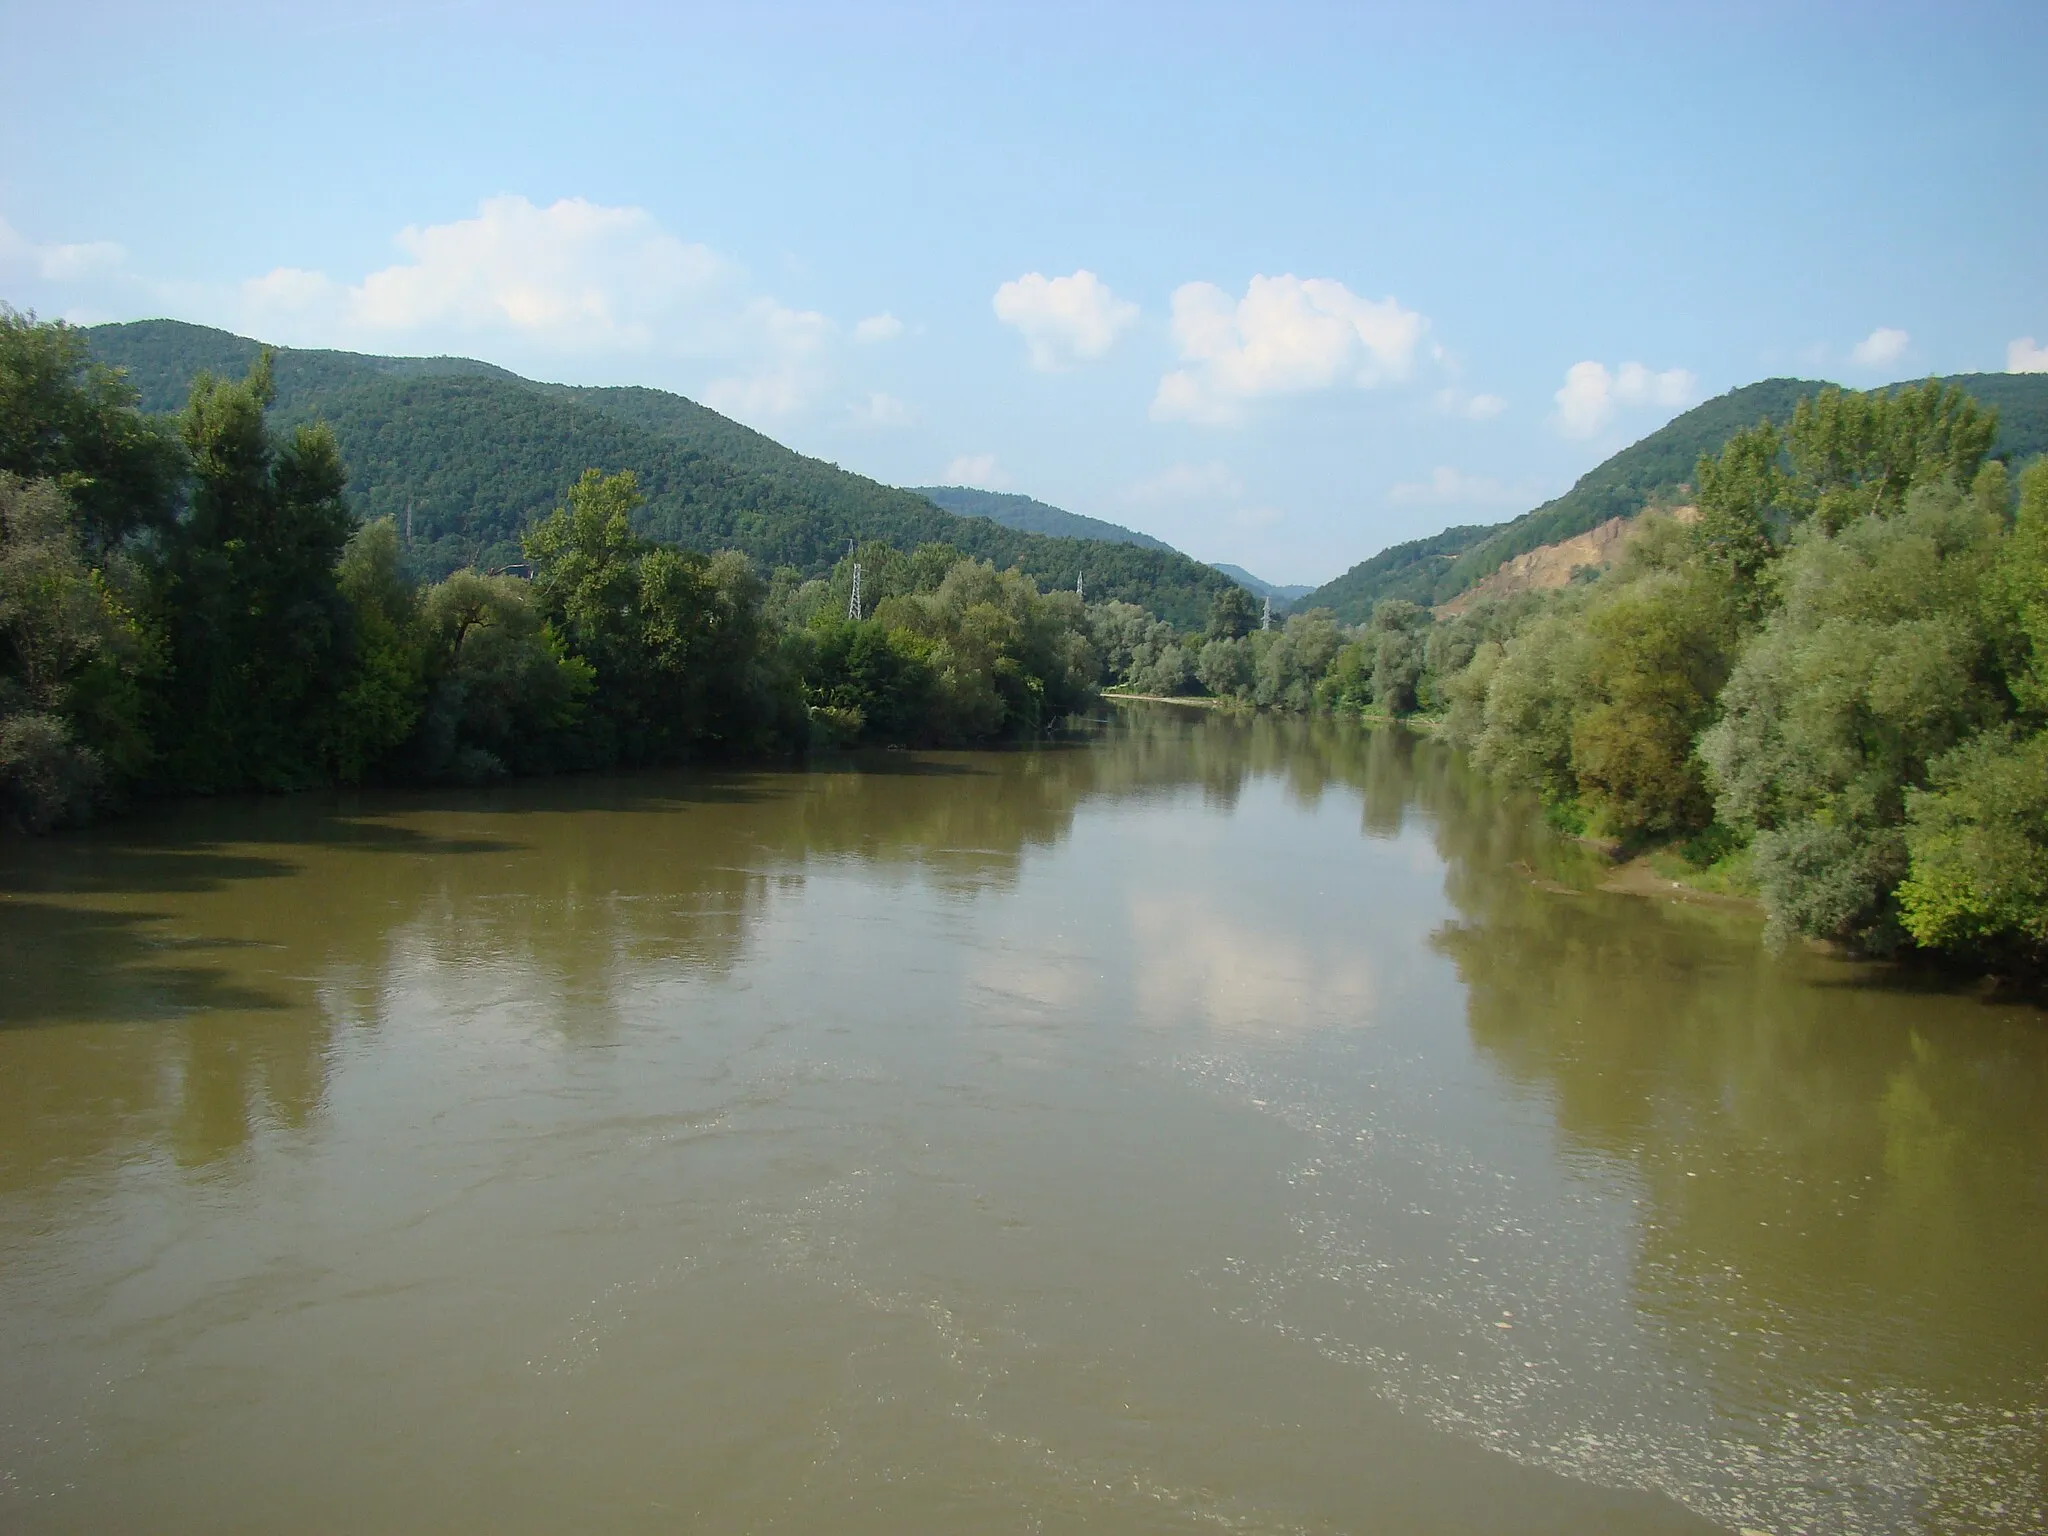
x=1205, y=1125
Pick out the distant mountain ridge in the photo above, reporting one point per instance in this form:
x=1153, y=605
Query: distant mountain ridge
x=1032, y=516
x=1027, y=515
x=1434, y=570
x=463, y=455
x=1259, y=588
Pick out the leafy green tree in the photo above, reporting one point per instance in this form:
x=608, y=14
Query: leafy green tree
x=377, y=710
x=2019, y=587
x=1347, y=685
x=1977, y=836
x=1289, y=662
x=1464, y=693
x=1397, y=639
x=261, y=638
x=1860, y=453
x=1744, y=499
x=1977, y=839
x=675, y=638
x=1659, y=649
x=1875, y=666
x=877, y=683
x=502, y=693
x=1533, y=689
x=1231, y=616
x=72, y=656
x=1225, y=668
x=982, y=655
x=68, y=419
x=1122, y=634
x=586, y=566
x=1162, y=667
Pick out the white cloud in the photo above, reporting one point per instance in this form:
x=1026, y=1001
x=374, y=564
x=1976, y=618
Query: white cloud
x=1063, y=320
x=1880, y=349
x=975, y=469
x=286, y=291
x=1188, y=482
x=882, y=410
x=571, y=289
x=1287, y=335
x=1454, y=487
x=876, y=328
x=577, y=275
x=783, y=357
x=1592, y=395
x=2024, y=355
x=573, y=285
x=57, y=263
x=1453, y=401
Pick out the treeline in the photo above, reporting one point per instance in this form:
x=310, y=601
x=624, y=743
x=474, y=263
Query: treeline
x=1829, y=687
x=188, y=605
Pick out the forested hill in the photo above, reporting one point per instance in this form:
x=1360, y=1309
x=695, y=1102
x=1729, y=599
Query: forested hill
x=1436, y=569
x=1030, y=516
x=464, y=455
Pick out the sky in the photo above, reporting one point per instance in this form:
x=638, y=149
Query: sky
x=1280, y=284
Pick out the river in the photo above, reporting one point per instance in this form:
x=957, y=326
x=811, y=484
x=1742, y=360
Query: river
x=1205, y=1124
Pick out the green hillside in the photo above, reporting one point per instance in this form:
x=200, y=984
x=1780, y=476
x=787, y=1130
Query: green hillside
x=464, y=455
x=1029, y=516
x=1438, y=568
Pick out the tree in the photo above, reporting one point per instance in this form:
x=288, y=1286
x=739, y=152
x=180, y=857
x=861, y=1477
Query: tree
x=1856, y=453
x=1660, y=649
x=1873, y=668
x=378, y=708
x=1977, y=839
x=67, y=419
x=1231, y=615
x=1977, y=835
x=72, y=653
x=1743, y=499
x=1397, y=641
x=983, y=655
x=1533, y=686
x=262, y=641
x=1224, y=667
x=675, y=638
x=502, y=693
x=2019, y=587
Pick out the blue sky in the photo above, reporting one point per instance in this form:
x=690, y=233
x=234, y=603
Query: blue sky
x=1281, y=284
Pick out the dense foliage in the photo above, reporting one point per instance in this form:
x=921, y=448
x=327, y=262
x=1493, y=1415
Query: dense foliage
x=199, y=610
x=1656, y=471
x=462, y=457
x=1828, y=687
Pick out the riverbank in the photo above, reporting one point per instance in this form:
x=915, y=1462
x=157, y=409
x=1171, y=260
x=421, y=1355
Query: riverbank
x=1664, y=874
x=1194, y=701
